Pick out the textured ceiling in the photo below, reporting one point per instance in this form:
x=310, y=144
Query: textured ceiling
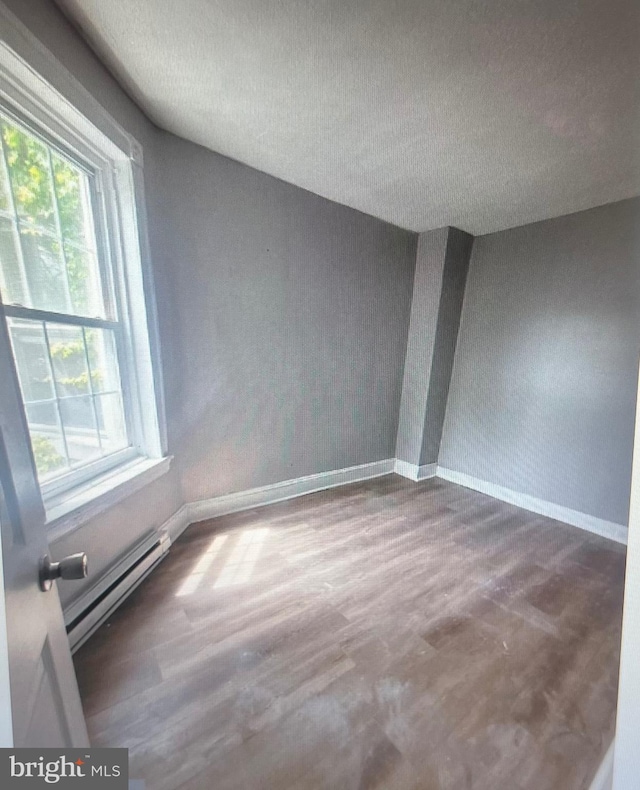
x=480, y=114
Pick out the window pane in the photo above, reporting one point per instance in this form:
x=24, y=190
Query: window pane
x=111, y=422
x=46, y=440
x=74, y=206
x=68, y=359
x=5, y=203
x=78, y=421
x=84, y=282
x=32, y=362
x=27, y=160
x=45, y=271
x=52, y=200
x=105, y=376
x=14, y=290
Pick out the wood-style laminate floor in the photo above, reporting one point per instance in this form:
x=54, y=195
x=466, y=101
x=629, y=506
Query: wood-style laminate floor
x=387, y=634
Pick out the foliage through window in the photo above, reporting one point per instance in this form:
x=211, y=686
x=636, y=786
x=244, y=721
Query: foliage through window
x=56, y=287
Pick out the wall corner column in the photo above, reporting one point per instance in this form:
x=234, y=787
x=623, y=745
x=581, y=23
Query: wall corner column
x=442, y=263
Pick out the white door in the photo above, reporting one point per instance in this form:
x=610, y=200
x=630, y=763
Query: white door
x=627, y=755
x=45, y=707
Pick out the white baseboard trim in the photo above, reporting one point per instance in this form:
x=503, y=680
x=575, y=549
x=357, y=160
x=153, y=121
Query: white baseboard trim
x=176, y=524
x=606, y=529
x=413, y=471
x=427, y=471
x=287, y=489
x=603, y=780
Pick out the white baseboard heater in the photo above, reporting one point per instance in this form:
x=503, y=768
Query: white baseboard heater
x=87, y=614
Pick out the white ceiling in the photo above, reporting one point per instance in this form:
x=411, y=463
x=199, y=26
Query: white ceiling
x=482, y=114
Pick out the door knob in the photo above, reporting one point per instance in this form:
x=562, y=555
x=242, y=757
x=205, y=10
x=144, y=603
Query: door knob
x=72, y=567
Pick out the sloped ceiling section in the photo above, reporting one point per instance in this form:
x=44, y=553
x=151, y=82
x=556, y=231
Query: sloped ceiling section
x=482, y=115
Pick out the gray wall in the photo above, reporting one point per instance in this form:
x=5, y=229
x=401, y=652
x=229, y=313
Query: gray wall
x=543, y=393
x=286, y=323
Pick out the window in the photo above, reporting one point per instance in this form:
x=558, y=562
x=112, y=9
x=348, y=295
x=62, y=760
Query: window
x=62, y=314
x=74, y=282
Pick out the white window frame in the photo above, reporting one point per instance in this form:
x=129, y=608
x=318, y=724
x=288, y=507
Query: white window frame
x=114, y=157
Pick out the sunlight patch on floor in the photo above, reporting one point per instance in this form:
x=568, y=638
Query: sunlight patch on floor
x=194, y=579
x=241, y=562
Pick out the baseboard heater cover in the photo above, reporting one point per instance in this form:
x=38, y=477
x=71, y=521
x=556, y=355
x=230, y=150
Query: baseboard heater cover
x=90, y=619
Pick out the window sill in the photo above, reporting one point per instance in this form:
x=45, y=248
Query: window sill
x=103, y=492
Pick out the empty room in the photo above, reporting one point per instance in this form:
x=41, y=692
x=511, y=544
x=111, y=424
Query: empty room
x=319, y=344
